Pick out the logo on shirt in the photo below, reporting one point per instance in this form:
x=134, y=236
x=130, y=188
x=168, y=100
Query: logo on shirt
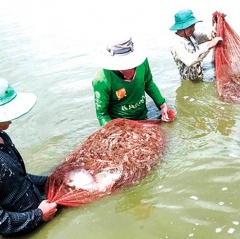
x=134, y=106
x=121, y=93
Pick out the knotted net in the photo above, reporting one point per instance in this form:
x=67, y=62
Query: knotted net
x=117, y=155
x=227, y=60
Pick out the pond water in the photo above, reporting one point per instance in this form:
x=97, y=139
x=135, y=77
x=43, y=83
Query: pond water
x=47, y=48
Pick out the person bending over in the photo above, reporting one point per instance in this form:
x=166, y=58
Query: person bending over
x=121, y=83
x=23, y=206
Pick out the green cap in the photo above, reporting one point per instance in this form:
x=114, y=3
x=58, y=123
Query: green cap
x=12, y=104
x=7, y=93
x=183, y=20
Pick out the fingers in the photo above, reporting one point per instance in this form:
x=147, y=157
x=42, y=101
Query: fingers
x=48, y=209
x=165, y=118
x=53, y=214
x=53, y=204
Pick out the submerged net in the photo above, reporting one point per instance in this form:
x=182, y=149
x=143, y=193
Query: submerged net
x=117, y=155
x=227, y=60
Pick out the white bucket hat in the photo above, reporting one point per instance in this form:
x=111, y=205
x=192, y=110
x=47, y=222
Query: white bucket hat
x=13, y=105
x=122, y=55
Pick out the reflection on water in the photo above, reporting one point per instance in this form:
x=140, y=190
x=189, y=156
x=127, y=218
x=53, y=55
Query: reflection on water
x=46, y=48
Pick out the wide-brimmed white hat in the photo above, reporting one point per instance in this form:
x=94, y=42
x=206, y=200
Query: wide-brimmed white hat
x=121, y=55
x=12, y=104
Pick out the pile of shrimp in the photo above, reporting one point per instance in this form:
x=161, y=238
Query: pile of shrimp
x=117, y=155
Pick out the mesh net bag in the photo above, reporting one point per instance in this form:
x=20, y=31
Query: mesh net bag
x=227, y=60
x=117, y=155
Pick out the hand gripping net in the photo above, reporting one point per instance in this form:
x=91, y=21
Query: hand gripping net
x=227, y=60
x=117, y=155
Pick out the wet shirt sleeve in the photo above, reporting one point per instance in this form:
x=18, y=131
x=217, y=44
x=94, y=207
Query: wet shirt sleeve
x=19, y=197
x=151, y=88
x=14, y=222
x=18, y=204
x=102, y=92
x=181, y=52
x=38, y=181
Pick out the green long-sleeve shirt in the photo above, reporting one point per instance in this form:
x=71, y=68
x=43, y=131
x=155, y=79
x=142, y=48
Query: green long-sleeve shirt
x=116, y=98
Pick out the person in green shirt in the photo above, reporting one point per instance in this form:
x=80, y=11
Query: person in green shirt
x=121, y=82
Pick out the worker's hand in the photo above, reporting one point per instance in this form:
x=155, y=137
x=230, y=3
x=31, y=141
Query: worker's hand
x=214, y=42
x=48, y=210
x=164, y=109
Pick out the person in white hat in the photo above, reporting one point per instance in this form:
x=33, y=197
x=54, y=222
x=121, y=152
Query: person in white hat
x=121, y=82
x=23, y=206
x=185, y=45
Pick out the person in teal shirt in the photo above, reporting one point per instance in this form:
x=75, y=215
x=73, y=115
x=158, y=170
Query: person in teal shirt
x=121, y=83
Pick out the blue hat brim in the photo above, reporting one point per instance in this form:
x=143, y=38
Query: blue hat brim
x=181, y=26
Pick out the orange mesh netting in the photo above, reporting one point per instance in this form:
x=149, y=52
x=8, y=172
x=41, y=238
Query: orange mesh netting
x=118, y=154
x=227, y=60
